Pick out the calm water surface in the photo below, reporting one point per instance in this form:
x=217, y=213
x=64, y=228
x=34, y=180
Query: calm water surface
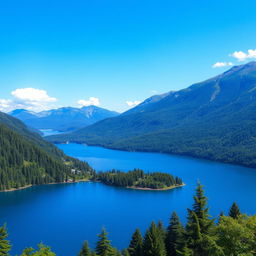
x=65, y=215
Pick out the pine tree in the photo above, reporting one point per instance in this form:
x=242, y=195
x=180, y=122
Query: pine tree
x=193, y=232
x=198, y=218
x=201, y=210
x=185, y=251
x=135, y=247
x=5, y=246
x=103, y=247
x=161, y=230
x=175, y=239
x=234, y=211
x=85, y=251
x=153, y=242
x=199, y=227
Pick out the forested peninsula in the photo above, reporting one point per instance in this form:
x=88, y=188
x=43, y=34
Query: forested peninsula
x=138, y=179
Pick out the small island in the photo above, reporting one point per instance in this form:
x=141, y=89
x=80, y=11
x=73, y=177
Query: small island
x=138, y=179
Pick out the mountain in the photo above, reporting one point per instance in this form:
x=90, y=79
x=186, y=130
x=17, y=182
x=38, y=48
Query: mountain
x=214, y=119
x=63, y=119
x=27, y=159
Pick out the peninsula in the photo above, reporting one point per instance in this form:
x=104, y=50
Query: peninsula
x=138, y=179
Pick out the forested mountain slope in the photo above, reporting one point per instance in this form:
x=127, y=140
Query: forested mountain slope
x=26, y=159
x=214, y=119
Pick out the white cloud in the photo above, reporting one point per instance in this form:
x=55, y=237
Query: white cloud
x=5, y=105
x=133, y=103
x=92, y=101
x=222, y=64
x=32, y=95
x=28, y=98
x=241, y=56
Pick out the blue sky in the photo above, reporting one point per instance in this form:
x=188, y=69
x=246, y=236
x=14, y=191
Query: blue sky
x=116, y=51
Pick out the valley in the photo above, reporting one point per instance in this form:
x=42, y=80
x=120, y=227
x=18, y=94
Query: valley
x=127, y=128
x=213, y=119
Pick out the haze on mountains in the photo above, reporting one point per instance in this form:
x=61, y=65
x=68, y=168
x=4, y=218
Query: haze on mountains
x=214, y=119
x=63, y=119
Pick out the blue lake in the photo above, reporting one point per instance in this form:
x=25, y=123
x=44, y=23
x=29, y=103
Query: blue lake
x=64, y=215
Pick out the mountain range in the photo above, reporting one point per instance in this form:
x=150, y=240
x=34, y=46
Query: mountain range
x=63, y=119
x=214, y=119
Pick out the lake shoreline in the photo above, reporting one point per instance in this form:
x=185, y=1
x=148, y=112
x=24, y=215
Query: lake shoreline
x=88, y=180
x=156, y=189
x=15, y=189
x=52, y=183
x=193, y=156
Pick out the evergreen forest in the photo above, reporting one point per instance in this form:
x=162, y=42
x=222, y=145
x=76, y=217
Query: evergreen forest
x=139, y=179
x=26, y=159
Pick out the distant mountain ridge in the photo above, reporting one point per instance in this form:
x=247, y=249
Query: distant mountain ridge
x=63, y=119
x=214, y=119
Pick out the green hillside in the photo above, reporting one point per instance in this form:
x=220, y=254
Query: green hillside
x=26, y=159
x=214, y=119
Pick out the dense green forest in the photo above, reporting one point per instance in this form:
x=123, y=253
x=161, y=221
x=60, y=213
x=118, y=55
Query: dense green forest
x=232, y=235
x=214, y=119
x=20, y=128
x=26, y=159
x=24, y=163
x=138, y=179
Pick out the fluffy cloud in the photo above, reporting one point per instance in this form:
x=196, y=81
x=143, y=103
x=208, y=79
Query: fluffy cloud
x=241, y=56
x=92, y=101
x=133, y=103
x=222, y=64
x=32, y=95
x=27, y=98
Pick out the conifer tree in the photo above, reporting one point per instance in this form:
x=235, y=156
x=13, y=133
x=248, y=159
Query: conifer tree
x=153, y=242
x=201, y=210
x=5, y=246
x=193, y=232
x=161, y=230
x=175, y=239
x=199, y=226
x=135, y=247
x=103, y=247
x=85, y=251
x=221, y=215
x=185, y=251
x=234, y=211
